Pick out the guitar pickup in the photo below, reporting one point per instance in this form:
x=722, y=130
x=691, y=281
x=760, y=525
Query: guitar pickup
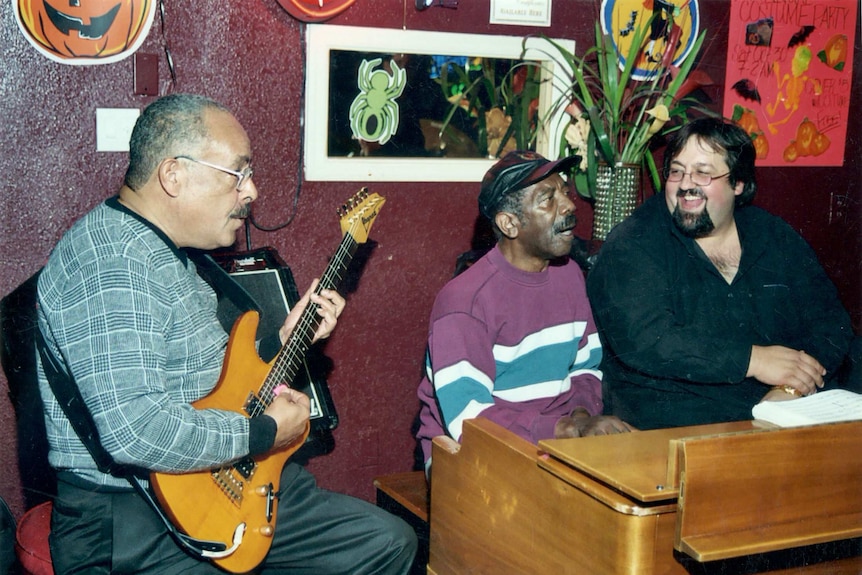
x=252, y=405
x=245, y=467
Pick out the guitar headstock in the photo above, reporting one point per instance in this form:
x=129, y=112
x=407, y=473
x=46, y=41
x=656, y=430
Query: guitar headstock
x=358, y=214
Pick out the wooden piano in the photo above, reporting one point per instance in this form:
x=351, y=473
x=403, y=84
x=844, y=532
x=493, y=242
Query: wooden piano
x=730, y=499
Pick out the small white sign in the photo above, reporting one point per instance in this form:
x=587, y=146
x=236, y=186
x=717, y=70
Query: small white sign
x=114, y=128
x=521, y=12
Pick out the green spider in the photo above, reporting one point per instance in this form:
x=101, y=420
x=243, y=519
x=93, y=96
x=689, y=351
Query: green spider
x=374, y=112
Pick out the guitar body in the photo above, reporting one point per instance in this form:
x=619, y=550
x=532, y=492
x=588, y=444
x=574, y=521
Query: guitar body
x=214, y=505
x=210, y=504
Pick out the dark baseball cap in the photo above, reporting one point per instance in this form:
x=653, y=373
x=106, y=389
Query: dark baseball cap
x=515, y=171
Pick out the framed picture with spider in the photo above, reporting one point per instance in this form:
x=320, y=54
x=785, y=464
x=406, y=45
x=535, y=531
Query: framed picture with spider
x=401, y=105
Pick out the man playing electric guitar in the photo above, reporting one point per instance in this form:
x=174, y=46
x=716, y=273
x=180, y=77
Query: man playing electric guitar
x=124, y=312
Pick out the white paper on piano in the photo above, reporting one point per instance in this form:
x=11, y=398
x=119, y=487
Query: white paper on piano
x=822, y=407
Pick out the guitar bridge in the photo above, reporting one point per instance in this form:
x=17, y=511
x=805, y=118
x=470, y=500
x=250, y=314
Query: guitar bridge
x=231, y=480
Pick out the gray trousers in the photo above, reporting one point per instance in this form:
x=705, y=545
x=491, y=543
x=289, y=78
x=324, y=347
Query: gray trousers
x=318, y=532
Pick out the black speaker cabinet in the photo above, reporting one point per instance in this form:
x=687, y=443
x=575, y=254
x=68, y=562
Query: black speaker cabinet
x=270, y=283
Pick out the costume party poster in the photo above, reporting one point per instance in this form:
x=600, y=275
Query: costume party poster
x=789, y=67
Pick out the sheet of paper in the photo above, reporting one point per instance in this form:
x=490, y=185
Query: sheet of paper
x=823, y=407
x=521, y=12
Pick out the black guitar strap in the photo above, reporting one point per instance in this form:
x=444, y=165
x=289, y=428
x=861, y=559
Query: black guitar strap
x=225, y=287
x=69, y=397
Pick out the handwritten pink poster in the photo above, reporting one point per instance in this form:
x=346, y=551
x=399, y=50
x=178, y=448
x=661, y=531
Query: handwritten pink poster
x=789, y=67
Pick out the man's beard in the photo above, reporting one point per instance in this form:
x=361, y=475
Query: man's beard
x=693, y=225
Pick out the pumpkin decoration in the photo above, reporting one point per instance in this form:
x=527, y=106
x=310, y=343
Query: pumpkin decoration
x=835, y=52
x=791, y=152
x=748, y=122
x=746, y=119
x=761, y=146
x=819, y=144
x=805, y=136
x=91, y=32
x=809, y=142
x=315, y=10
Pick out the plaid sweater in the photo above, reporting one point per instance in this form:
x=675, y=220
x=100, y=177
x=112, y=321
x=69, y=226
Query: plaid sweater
x=136, y=327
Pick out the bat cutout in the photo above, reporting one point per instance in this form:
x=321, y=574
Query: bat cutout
x=800, y=36
x=747, y=90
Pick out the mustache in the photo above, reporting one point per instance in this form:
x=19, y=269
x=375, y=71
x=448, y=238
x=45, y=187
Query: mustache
x=696, y=192
x=242, y=212
x=565, y=224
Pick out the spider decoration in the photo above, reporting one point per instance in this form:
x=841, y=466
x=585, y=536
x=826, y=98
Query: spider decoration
x=374, y=112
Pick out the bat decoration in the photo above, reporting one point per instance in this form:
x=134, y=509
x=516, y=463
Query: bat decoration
x=801, y=36
x=747, y=90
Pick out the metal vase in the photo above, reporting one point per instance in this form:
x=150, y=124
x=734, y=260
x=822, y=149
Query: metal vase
x=616, y=196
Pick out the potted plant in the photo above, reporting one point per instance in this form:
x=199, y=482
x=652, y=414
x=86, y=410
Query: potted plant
x=615, y=116
x=500, y=96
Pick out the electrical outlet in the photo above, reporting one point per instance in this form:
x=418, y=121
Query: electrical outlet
x=146, y=74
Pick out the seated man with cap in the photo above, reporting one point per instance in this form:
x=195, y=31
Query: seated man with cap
x=512, y=338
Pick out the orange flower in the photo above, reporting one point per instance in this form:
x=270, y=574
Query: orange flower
x=670, y=46
x=519, y=80
x=696, y=79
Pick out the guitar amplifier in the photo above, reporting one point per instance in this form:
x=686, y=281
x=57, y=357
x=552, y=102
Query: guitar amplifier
x=270, y=283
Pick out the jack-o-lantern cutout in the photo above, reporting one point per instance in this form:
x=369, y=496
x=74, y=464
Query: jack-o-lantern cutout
x=85, y=31
x=315, y=10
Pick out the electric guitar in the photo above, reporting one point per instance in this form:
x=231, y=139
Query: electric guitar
x=236, y=505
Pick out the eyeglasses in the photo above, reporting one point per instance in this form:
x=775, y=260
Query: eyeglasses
x=697, y=178
x=241, y=177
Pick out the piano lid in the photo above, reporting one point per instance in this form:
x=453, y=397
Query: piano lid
x=640, y=464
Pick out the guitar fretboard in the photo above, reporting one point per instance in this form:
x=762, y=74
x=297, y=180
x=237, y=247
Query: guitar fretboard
x=289, y=359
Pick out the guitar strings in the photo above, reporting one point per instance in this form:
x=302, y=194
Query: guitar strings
x=286, y=365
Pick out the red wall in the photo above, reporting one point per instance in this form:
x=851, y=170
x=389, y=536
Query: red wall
x=248, y=56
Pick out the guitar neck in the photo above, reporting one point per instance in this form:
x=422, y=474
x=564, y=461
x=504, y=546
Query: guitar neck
x=288, y=361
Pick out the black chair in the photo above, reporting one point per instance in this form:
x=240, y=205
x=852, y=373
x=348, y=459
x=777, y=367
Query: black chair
x=18, y=357
x=29, y=538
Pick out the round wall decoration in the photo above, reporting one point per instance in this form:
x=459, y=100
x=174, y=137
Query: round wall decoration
x=315, y=10
x=94, y=32
x=619, y=19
